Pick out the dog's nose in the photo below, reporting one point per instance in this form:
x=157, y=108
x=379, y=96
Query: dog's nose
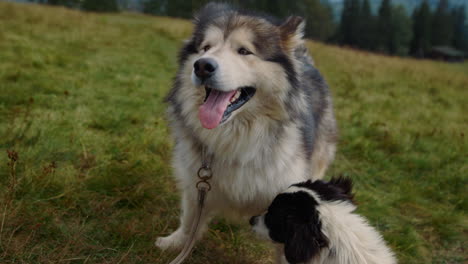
x=205, y=68
x=253, y=220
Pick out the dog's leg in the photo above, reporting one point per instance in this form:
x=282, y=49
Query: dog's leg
x=280, y=258
x=325, y=143
x=323, y=155
x=189, y=213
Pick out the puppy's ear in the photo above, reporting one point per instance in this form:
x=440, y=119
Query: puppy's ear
x=292, y=32
x=345, y=184
x=304, y=241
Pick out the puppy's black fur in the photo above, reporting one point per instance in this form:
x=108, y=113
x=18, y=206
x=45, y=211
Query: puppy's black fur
x=293, y=220
x=334, y=190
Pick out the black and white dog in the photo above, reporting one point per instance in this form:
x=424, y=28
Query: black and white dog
x=315, y=222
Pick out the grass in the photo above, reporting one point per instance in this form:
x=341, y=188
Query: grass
x=86, y=177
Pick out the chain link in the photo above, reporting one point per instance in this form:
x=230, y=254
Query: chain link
x=204, y=172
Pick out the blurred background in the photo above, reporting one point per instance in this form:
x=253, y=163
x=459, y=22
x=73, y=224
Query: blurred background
x=421, y=28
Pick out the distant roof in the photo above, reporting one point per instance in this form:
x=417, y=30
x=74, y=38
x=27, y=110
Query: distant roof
x=448, y=51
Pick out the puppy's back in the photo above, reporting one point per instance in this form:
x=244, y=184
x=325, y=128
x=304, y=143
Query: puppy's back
x=352, y=239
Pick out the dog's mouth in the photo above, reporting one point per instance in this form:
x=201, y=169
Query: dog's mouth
x=218, y=105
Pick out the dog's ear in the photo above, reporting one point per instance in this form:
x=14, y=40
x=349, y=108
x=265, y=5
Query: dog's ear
x=292, y=32
x=303, y=242
x=345, y=184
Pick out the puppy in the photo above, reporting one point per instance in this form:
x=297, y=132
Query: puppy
x=315, y=222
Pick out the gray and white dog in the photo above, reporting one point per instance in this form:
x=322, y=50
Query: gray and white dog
x=248, y=93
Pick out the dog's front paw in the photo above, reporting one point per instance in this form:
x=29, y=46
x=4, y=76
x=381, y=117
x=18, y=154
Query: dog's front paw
x=174, y=241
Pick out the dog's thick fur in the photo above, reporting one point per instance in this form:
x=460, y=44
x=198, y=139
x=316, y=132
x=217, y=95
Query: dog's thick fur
x=285, y=133
x=315, y=224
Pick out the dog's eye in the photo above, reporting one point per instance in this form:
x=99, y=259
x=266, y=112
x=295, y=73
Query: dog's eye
x=244, y=51
x=206, y=48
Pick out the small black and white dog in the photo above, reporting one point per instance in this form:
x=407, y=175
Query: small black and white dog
x=316, y=224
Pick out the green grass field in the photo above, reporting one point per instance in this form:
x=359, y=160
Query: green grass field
x=87, y=178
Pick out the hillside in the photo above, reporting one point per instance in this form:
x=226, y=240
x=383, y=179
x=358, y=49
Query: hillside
x=87, y=178
x=410, y=5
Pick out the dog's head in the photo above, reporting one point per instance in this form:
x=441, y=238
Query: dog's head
x=237, y=65
x=293, y=218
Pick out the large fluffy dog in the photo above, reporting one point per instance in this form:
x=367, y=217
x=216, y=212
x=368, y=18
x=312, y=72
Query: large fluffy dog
x=248, y=93
x=315, y=224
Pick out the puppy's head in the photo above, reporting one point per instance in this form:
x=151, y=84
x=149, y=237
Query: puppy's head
x=293, y=217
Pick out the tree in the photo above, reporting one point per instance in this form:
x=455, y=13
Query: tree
x=460, y=40
x=465, y=33
x=183, y=8
x=100, y=6
x=57, y=2
x=178, y=8
x=400, y=36
x=442, y=26
x=394, y=29
x=367, y=27
x=348, y=33
x=319, y=19
x=278, y=8
x=154, y=7
x=67, y=3
x=421, y=42
x=384, y=26
x=319, y=16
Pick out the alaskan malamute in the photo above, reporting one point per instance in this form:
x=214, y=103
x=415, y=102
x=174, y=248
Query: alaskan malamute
x=248, y=93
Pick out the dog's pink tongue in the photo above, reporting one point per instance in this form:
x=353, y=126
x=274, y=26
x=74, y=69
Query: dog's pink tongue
x=211, y=112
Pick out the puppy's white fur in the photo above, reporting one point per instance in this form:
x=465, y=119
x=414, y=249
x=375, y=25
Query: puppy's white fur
x=351, y=239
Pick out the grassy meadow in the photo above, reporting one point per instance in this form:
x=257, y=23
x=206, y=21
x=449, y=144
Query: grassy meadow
x=85, y=149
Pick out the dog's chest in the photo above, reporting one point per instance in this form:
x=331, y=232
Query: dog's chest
x=246, y=176
x=252, y=186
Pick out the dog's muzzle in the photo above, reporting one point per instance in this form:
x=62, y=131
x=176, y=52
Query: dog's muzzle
x=205, y=68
